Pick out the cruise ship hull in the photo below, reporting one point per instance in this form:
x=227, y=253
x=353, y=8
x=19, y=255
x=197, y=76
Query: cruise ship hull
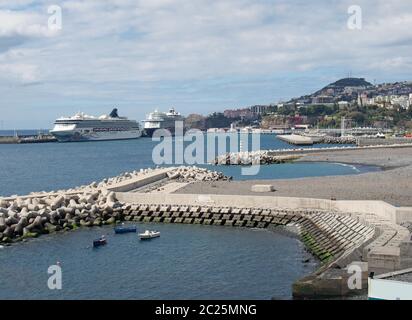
x=148, y=132
x=75, y=136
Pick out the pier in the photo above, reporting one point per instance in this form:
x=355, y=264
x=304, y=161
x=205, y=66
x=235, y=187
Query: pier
x=337, y=232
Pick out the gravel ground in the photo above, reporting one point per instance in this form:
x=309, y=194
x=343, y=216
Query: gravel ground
x=392, y=185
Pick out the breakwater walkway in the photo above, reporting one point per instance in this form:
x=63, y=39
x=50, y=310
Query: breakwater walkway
x=337, y=232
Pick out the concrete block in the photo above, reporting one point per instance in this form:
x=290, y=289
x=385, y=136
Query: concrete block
x=216, y=216
x=384, y=259
x=263, y=188
x=240, y=223
x=147, y=219
x=251, y=224
x=217, y=222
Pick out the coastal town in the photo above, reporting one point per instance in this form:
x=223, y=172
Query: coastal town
x=362, y=104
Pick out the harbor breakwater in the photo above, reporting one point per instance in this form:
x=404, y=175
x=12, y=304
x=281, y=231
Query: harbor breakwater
x=278, y=156
x=95, y=204
x=337, y=235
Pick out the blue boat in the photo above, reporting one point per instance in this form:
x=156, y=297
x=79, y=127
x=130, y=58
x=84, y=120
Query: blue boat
x=125, y=229
x=99, y=242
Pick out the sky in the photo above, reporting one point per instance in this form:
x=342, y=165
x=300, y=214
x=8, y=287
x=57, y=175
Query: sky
x=198, y=56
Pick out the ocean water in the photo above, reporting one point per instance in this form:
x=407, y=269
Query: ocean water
x=186, y=262
x=50, y=166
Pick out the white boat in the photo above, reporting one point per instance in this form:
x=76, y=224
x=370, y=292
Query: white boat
x=149, y=235
x=162, y=120
x=82, y=127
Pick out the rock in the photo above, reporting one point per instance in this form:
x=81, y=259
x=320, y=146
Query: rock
x=21, y=225
x=3, y=225
x=173, y=175
x=85, y=223
x=4, y=203
x=11, y=220
x=263, y=188
x=111, y=220
x=57, y=202
x=5, y=240
x=8, y=232
x=50, y=227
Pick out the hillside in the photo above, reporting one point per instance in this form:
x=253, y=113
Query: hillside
x=350, y=82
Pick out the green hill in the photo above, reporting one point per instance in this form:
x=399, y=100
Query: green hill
x=350, y=82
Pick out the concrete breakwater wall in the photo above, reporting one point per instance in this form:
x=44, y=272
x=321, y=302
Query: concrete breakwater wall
x=90, y=205
x=302, y=139
x=43, y=138
x=377, y=141
x=337, y=232
x=316, y=225
x=336, y=140
x=276, y=156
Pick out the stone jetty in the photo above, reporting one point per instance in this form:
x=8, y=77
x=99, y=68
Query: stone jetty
x=95, y=204
x=194, y=174
x=338, y=140
x=260, y=157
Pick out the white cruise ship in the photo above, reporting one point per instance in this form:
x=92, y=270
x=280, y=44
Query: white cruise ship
x=82, y=127
x=161, y=120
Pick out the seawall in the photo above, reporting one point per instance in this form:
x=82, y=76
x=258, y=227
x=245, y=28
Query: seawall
x=339, y=233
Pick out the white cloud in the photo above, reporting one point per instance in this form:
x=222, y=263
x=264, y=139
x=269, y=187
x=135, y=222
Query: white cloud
x=120, y=43
x=15, y=23
x=24, y=73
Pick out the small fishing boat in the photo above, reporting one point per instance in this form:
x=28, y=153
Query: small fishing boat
x=125, y=229
x=99, y=242
x=149, y=235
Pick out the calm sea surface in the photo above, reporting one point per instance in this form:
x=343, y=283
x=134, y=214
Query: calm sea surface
x=50, y=166
x=186, y=262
